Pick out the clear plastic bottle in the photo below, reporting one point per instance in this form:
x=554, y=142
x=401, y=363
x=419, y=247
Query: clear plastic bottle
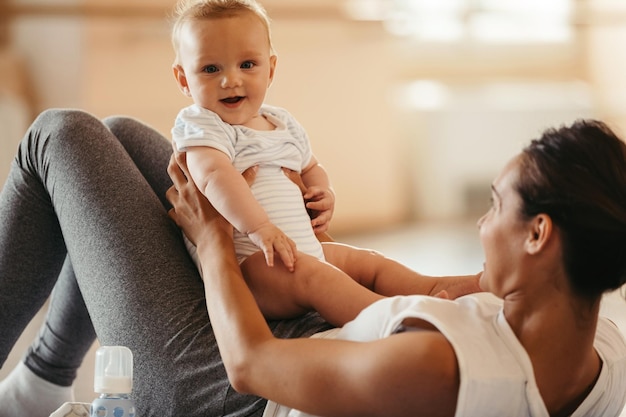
x=113, y=380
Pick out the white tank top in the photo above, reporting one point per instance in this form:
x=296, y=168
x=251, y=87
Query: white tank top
x=496, y=375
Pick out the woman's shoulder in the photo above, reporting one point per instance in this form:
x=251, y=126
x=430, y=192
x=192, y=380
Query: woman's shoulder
x=488, y=358
x=386, y=315
x=610, y=339
x=607, y=396
x=469, y=324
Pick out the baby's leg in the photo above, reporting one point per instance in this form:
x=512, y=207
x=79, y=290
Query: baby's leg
x=388, y=277
x=314, y=285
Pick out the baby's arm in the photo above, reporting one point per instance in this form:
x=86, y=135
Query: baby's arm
x=319, y=196
x=227, y=190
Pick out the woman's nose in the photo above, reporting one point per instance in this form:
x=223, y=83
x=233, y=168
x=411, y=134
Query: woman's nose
x=481, y=220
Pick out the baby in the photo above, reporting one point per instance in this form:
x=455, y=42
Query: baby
x=225, y=63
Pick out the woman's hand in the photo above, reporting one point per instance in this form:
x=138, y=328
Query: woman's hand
x=191, y=211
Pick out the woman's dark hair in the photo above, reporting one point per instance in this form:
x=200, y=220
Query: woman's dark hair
x=577, y=176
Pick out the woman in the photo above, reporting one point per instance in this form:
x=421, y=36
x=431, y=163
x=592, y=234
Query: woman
x=84, y=211
x=554, y=241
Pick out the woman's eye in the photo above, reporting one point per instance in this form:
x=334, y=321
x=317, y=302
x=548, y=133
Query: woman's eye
x=210, y=69
x=247, y=65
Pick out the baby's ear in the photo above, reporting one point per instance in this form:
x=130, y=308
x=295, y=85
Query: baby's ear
x=181, y=79
x=273, y=60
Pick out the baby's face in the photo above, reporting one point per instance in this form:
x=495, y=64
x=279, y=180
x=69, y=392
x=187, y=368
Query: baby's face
x=227, y=65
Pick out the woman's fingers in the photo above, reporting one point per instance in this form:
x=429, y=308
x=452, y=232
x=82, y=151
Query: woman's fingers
x=175, y=172
x=295, y=178
x=250, y=174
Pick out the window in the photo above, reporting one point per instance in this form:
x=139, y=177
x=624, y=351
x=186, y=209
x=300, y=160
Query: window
x=482, y=21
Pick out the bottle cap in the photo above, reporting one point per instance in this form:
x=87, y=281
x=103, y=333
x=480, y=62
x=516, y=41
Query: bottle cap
x=114, y=370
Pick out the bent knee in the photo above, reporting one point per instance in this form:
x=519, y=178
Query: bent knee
x=61, y=125
x=58, y=130
x=60, y=119
x=117, y=124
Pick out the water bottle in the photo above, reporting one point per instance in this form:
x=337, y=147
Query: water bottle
x=113, y=380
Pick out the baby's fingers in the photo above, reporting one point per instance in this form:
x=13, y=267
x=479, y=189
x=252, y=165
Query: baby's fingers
x=287, y=252
x=268, y=252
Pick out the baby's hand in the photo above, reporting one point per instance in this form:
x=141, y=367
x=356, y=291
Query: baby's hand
x=320, y=202
x=270, y=239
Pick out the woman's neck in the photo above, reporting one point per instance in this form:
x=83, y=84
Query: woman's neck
x=557, y=331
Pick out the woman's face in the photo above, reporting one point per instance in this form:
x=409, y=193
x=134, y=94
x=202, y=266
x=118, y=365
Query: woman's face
x=502, y=234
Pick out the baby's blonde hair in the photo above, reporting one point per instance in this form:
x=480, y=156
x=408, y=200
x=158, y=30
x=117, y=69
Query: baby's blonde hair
x=188, y=10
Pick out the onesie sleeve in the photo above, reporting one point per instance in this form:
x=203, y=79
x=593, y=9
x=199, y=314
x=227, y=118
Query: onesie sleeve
x=296, y=130
x=196, y=126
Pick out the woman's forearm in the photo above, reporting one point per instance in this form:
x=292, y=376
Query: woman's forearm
x=237, y=322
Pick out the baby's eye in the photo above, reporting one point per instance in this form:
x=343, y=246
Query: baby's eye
x=210, y=69
x=247, y=65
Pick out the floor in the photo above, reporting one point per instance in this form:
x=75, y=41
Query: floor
x=431, y=249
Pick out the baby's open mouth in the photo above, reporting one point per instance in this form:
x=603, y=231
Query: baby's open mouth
x=232, y=100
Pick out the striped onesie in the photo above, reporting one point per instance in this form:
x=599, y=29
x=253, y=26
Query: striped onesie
x=286, y=146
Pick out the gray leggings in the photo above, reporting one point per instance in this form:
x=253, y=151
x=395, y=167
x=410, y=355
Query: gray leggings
x=83, y=212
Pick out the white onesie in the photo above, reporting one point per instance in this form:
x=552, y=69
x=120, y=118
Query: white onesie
x=286, y=146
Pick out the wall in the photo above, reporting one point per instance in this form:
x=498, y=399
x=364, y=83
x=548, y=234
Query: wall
x=122, y=65
x=14, y=107
x=605, y=35
x=335, y=76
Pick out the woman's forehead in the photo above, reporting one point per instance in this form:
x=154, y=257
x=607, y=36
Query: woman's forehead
x=508, y=176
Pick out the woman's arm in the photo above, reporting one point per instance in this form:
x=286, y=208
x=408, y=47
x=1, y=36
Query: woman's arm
x=402, y=375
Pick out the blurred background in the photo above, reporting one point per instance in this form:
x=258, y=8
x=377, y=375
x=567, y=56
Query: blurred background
x=412, y=106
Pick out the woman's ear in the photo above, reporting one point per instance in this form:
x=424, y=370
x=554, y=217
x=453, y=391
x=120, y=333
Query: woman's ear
x=181, y=79
x=539, y=234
